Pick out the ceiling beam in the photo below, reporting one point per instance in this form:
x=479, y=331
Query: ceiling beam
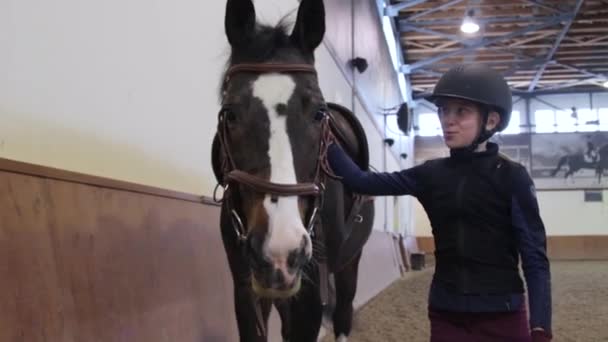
x=591, y=42
x=442, y=46
x=429, y=72
x=590, y=89
x=529, y=63
x=489, y=62
x=579, y=58
x=448, y=48
x=407, y=68
x=590, y=80
x=415, y=28
x=582, y=71
x=540, y=4
x=531, y=39
x=457, y=22
x=431, y=82
x=392, y=39
x=455, y=39
x=551, y=53
x=554, y=62
x=393, y=10
x=433, y=10
x=589, y=31
x=419, y=45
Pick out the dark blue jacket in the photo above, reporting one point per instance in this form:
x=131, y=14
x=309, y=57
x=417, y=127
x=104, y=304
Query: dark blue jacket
x=484, y=216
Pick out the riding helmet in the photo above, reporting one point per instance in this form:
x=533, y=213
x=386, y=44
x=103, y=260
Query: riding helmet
x=478, y=83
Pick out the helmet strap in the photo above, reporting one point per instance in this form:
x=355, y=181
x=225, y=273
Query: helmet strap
x=483, y=134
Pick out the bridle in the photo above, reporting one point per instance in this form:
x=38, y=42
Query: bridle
x=232, y=175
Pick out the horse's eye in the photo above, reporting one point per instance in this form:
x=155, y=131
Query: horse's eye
x=320, y=114
x=229, y=115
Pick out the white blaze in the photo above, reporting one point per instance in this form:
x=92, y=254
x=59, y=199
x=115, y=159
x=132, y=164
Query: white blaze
x=285, y=225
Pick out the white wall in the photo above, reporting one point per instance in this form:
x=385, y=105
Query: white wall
x=129, y=89
x=566, y=213
x=121, y=89
x=422, y=225
x=381, y=159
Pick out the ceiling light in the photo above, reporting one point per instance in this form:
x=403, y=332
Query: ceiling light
x=606, y=84
x=469, y=25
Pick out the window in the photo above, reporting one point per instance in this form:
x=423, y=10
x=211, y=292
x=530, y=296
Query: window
x=544, y=120
x=564, y=121
x=587, y=120
x=603, y=116
x=514, y=125
x=428, y=125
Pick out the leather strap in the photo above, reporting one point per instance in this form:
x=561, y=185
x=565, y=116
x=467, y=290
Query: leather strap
x=263, y=186
x=269, y=67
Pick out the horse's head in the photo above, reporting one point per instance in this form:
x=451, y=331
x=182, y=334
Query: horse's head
x=270, y=128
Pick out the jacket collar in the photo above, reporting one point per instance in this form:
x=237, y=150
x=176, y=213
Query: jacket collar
x=467, y=154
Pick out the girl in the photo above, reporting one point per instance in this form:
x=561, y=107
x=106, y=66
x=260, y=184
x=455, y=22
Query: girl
x=484, y=216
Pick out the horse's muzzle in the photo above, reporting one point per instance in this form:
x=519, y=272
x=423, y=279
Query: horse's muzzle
x=277, y=290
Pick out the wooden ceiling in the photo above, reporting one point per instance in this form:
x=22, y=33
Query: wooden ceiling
x=540, y=46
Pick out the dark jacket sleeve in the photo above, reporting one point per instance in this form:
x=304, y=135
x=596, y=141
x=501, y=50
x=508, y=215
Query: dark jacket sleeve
x=405, y=182
x=532, y=243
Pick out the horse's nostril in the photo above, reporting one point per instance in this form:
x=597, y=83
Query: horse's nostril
x=278, y=277
x=292, y=260
x=297, y=258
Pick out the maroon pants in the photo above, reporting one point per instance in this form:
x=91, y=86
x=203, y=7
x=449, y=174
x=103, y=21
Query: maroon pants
x=479, y=327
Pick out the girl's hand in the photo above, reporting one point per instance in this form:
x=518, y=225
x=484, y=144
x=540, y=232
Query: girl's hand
x=540, y=335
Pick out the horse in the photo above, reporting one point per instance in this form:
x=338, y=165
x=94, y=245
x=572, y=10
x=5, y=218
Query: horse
x=288, y=225
x=577, y=161
x=574, y=162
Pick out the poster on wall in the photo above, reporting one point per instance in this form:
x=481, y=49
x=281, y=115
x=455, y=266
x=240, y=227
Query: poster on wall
x=570, y=160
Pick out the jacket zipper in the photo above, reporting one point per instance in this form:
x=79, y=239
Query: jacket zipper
x=464, y=279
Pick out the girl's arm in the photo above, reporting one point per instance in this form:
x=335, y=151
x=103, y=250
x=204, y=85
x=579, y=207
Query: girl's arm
x=405, y=182
x=532, y=243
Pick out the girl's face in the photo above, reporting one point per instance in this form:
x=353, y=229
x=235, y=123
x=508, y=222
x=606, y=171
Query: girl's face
x=461, y=121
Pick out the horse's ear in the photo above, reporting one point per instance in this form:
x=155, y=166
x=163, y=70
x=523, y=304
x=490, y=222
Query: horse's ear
x=310, y=26
x=240, y=21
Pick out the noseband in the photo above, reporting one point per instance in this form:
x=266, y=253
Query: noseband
x=233, y=175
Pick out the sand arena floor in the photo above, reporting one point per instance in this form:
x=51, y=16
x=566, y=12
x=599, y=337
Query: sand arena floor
x=580, y=307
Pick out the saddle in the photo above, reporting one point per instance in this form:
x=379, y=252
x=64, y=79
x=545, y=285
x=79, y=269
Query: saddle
x=350, y=134
x=351, y=229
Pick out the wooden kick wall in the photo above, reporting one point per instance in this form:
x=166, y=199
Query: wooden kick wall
x=90, y=259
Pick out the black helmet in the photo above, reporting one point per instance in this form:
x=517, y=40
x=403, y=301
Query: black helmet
x=477, y=83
